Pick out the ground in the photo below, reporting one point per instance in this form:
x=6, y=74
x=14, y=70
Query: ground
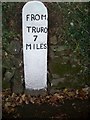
x=66, y=104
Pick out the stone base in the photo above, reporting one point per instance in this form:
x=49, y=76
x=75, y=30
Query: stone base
x=42, y=92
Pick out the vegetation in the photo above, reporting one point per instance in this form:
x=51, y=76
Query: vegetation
x=69, y=63
x=70, y=26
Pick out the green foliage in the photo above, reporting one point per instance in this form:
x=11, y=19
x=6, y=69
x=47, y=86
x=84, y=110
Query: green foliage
x=7, y=37
x=76, y=20
x=70, y=26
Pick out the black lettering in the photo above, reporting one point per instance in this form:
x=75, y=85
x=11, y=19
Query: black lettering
x=28, y=27
x=41, y=46
x=45, y=46
x=42, y=29
x=34, y=29
x=35, y=37
x=37, y=17
x=27, y=17
x=37, y=46
x=43, y=16
x=38, y=29
x=32, y=17
x=45, y=30
x=28, y=45
x=33, y=46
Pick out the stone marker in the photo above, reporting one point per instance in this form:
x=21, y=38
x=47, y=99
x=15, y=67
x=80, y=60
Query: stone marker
x=35, y=28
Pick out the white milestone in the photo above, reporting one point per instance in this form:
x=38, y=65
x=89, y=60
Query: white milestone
x=35, y=29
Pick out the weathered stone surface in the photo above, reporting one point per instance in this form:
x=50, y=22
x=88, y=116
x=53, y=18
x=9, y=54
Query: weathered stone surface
x=53, y=40
x=53, y=48
x=16, y=62
x=51, y=54
x=60, y=48
x=8, y=75
x=53, y=91
x=14, y=47
x=17, y=88
x=36, y=92
x=17, y=81
x=65, y=59
x=55, y=82
x=7, y=63
x=55, y=76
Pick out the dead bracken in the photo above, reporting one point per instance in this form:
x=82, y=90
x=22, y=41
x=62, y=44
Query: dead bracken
x=11, y=100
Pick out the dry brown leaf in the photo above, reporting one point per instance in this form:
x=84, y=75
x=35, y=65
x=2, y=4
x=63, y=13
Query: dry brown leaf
x=7, y=104
x=21, y=101
x=13, y=105
x=23, y=97
x=77, y=92
x=12, y=110
x=65, y=90
x=71, y=94
x=6, y=99
x=17, y=99
x=13, y=95
x=32, y=101
x=61, y=97
x=54, y=99
x=26, y=101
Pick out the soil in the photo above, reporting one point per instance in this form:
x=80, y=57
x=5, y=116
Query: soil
x=74, y=109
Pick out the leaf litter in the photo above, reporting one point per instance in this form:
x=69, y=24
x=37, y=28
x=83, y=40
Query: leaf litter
x=10, y=101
